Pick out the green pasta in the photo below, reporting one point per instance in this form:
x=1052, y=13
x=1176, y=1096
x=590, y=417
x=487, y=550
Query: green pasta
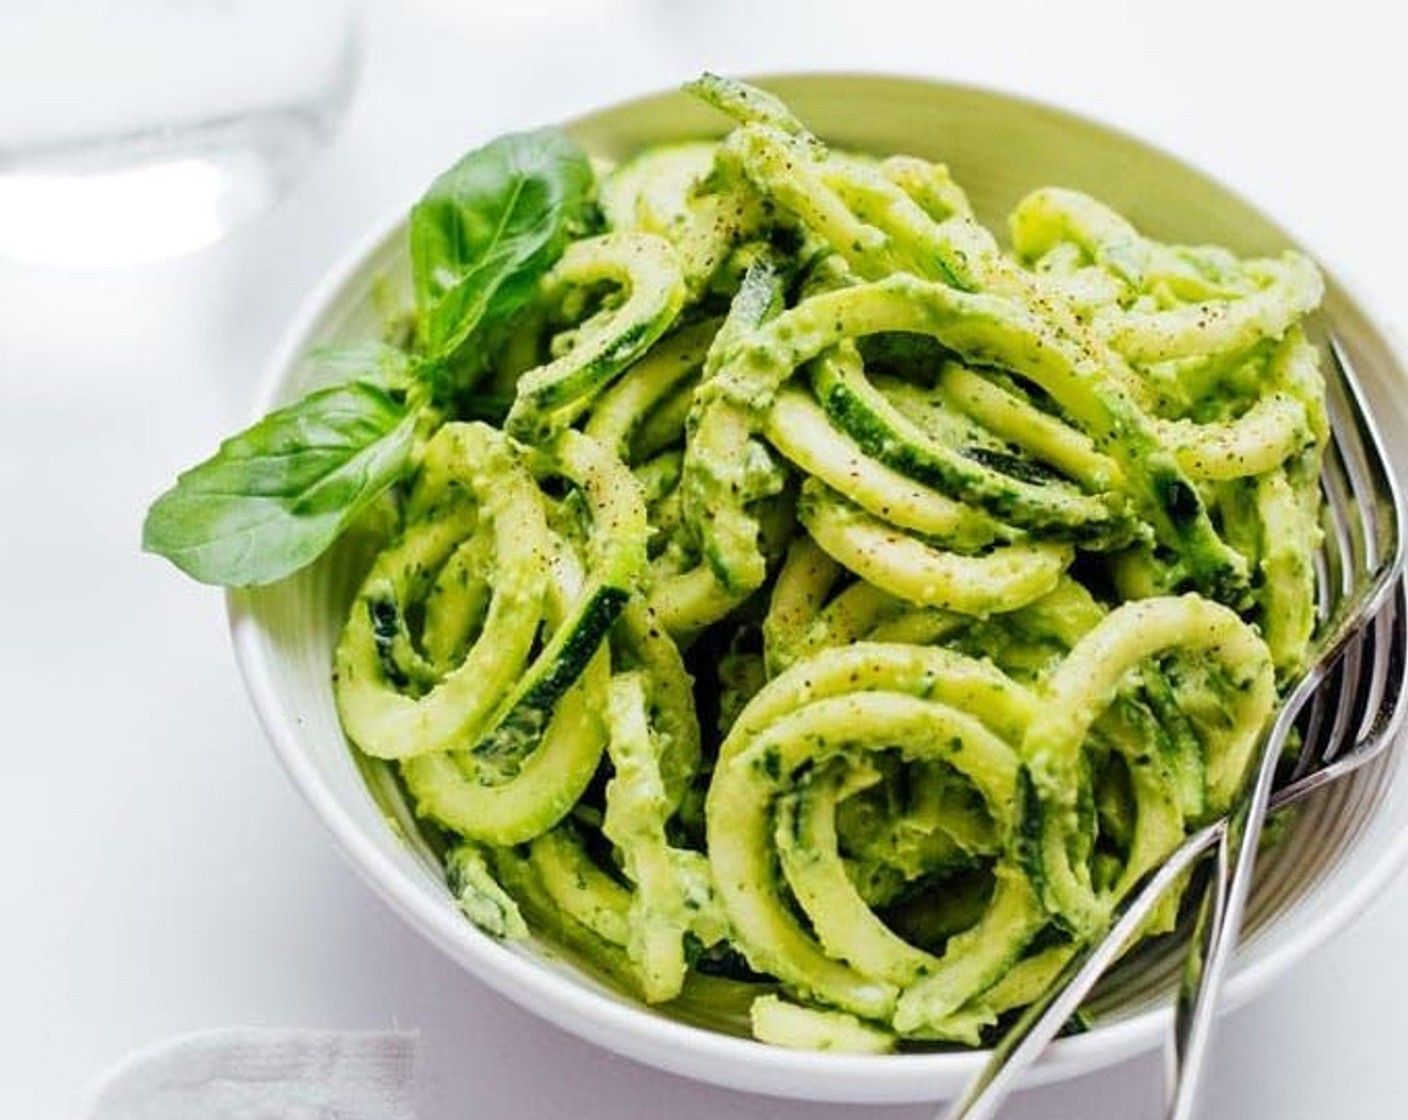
x=831, y=603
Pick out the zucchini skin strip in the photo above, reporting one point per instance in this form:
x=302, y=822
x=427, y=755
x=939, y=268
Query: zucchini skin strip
x=799, y=428
x=617, y=563
x=452, y=788
x=620, y=410
x=534, y=756
x=551, y=396
x=1049, y=439
x=862, y=412
x=470, y=478
x=725, y=471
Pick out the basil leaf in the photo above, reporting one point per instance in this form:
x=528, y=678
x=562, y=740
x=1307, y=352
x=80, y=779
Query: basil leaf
x=374, y=363
x=277, y=495
x=488, y=228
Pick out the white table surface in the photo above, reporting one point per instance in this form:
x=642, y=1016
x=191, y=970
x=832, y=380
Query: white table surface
x=160, y=875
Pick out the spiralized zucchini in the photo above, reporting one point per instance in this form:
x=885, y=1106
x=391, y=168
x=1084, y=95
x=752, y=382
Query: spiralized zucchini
x=847, y=611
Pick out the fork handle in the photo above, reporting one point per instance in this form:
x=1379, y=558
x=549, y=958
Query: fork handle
x=1187, y=1042
x=1216, y=931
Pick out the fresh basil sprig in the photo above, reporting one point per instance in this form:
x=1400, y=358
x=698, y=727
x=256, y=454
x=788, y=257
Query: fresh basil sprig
x=275, y=497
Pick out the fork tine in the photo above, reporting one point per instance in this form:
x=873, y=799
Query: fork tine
x=1343, y=548
x=1391, y=710
x=1339, y=563
x=1375, y=647
x=1390, y=682
x=1329, y=711
x=1380, y=494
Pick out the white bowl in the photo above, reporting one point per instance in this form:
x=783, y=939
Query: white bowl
x=1342, y=848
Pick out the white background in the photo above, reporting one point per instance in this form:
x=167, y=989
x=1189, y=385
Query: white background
x=158, y=874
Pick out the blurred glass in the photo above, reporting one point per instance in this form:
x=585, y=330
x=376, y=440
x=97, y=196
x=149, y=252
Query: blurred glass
x=132, y=130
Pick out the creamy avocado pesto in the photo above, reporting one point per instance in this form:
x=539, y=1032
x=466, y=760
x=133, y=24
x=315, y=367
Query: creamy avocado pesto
x=885, y=603
x=799, y=597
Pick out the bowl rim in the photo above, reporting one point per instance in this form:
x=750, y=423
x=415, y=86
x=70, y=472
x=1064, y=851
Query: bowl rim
x=634, y=1029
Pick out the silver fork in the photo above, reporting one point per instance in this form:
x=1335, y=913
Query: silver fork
x=1358, y=700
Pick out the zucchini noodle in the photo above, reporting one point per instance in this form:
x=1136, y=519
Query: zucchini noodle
x=847, y=611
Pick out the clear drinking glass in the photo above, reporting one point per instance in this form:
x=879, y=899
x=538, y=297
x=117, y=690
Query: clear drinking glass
x=132, y=130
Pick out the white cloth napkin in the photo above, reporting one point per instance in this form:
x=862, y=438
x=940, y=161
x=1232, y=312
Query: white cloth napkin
x=259, y=1074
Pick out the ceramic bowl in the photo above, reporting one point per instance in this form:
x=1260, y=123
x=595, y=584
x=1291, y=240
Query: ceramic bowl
x=1340, y=850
